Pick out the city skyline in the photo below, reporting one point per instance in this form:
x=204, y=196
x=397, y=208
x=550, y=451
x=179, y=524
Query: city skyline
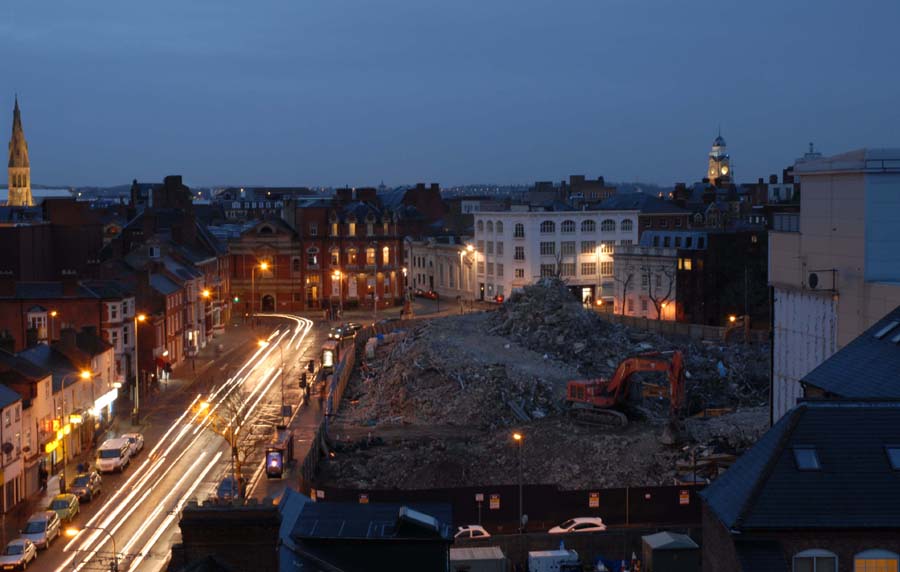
x=504, y=93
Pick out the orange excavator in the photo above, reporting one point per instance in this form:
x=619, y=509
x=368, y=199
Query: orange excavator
x=593, y=401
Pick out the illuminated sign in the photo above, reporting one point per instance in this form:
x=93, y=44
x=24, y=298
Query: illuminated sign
x=594, y=500
x=328, y=358
x=51, y=446
x=274, y=463
x=75, y=418
x=106, y=399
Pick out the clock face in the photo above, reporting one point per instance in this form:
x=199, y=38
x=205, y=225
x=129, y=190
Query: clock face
x=724, y=169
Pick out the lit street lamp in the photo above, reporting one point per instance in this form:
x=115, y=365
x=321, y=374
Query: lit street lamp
x=339, y=276
x=262, y=266
x=72, y=532
x=64, y=423
x=135, y=410
x=520, y=442
x=53, y=315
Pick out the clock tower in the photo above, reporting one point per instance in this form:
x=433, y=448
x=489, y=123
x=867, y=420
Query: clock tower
x=719, y=162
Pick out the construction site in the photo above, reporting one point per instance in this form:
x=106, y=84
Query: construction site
x=436, y=402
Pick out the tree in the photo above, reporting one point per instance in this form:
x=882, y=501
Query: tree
x=660, y=279
x=625, y=278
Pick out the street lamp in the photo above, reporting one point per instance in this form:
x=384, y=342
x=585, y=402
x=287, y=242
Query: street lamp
x=53, y=314
x=732, y=318
x=339, y=276
x=520, y=441
x=72, y=532
x=262, y=266
x=265, y=344
x=135, y=410
x=83, y=374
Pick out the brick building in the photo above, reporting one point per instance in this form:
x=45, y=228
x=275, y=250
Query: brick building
x=817, y=492
x=653, y=213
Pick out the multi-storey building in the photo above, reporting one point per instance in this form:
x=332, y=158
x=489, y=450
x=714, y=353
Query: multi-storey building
x=654, y=213
x=515, y=248
x=441, y=264
x=834, y=267
x=12, y=474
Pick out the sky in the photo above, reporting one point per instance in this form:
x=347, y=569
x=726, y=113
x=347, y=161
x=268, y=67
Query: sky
x=353, y=92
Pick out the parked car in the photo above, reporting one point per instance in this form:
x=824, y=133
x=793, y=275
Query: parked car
x=429, y=294
x=114, y=455
x=66, y=506
x=228, y=489
x=341, y=332
x=86, y=486
x=354, y=326
x=580, y=524
x=19, y=553
x=42, y=528
x=135, y=441
x=471, y=531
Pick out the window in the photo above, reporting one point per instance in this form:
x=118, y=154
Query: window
x=606, y=268
x=480, y=226
x=490, y=247
x=370, y=256
x=490, y=226
x=689, y=242
x=351, y=256
x=499, y=270
x=893, y=454
x=520, y=273
x=588, y=268
x=663, y=223
x=567, y=227
x=351, y=229
x=644, y=279
x=519, y=230
x=548, y=227
x=677, y=242
x=548, y=270
x=386, y=228
x=567, y=248
x=627, y=225
x=875, y=561
x=481, y=267
x=588, y=226
x=548, y=248
x=667, y=241
x=520, y=253
x=499, y=226
x=643, y=304
x=567, y=269
x=334, y=229
x=113, y=312
x=313, y=229
x=588, y=247
x=631, y=304
x=655, y=241
x=608, y=225
x=815, y=561
x=335, y=257
x=499, y=248
x=677, y=223
x=386, y=255
x=499, y=293
x=607, y=245
x=806, y=458
x=701, y=243
x=479, y=246
x=370, y=229
x=312, y=258
x=490, y=268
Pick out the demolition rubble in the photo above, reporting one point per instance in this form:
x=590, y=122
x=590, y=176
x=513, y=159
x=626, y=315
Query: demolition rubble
x=437, y=403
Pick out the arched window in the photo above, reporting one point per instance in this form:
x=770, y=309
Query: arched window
x=627, y=225
x=370, y=256
x=295, y=264
x=386, y=255
x=265, y=229
x=567, y=226
x=480, y=226
x=608, y=225
x=698, y=218
x=490, y=226
x=588, y=226
x=499, y=226
x=876, y=560
x=815, y=560
x=519, y=231
x=548, y=226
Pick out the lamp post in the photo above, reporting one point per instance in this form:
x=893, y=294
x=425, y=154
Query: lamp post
x=262, y=266
x=72, y=532
x=339, y=276
x=520, y=441
x=63, y=424
x=135, y=410
x=53, y=314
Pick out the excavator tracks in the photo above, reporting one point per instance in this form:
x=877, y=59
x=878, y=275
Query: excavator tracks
x=597, y=417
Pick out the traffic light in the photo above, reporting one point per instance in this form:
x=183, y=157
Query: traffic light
x=236, y=299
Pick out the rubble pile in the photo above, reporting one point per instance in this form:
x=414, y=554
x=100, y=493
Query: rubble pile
x=422, y=379
x=546, y=318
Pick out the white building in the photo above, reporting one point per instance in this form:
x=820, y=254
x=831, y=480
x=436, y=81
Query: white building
x=441, y=264
x=834, y=267
x=12, y=474
x=515, y=248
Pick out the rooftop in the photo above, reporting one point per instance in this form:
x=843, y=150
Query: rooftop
x=372, y=521
x=646, y=204
x=870, y=160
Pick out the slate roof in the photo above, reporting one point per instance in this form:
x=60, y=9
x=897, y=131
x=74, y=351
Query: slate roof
x=22, y=366
x=163, y=285
x=53, y=361
x=646, y=204
x=8, y=396
x=368, y=521
x=841, y=374
x=46, y=290
x=855, y=487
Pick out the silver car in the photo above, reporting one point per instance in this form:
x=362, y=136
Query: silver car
x=19, y=553
x=42, y=527
x=135, y=442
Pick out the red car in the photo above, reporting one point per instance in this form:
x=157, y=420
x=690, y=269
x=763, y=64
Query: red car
x=430, y=294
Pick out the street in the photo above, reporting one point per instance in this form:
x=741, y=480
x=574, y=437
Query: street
x=136, y=516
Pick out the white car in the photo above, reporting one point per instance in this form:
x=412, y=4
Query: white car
x=136, y=442
x=19, y=553
x=580, y=524
x=472, y=531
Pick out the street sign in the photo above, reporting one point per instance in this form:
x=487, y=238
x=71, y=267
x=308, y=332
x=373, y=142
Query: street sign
x=594, y=500
x=363, y=498
x=684, y=497
x=495, y=502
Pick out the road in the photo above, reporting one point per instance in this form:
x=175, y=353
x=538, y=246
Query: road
x=184, y=458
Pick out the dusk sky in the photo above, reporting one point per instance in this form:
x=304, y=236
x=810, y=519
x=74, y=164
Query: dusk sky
x=352, y=92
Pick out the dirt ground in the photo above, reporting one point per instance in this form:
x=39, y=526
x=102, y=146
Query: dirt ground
x=447, y=395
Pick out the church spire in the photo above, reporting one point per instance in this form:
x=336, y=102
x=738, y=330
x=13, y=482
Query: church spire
x=19, y=167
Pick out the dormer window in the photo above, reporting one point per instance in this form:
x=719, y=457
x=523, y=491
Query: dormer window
x=807, y=459
x=154, y=252
x=893, y=455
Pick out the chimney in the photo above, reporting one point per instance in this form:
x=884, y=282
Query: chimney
x=69, y=284
x=773, y=179
x=68, y=338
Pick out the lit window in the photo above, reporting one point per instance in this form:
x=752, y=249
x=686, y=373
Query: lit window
x=806, y=458
x=875, y=561
x=351, y=229
x=370, y=256
x=386, y=255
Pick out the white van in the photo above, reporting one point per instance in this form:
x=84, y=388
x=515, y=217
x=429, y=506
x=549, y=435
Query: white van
x=114, y=455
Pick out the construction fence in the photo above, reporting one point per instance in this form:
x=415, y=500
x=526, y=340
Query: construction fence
x=668, y=327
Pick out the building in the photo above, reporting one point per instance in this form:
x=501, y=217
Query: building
x=34, y=385
x=12, y=474
x=518, y=247
x=441, y=264
x=817, y=492
x=654, y=213
x=719, y=165
x=834, y=267
x=19, y=168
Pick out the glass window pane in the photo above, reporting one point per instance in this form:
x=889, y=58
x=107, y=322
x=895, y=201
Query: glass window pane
x=826, y=564
x=803, y=565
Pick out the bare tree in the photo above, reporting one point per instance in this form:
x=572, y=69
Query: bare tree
x=660, y=281
x=624, y=279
